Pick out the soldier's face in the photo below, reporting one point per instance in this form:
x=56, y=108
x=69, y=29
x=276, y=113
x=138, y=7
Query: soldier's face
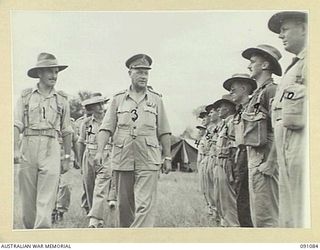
x=213, y=114
x=224, y=110
x=238, y=91
x=205, y=120
x=48, y=76
x=293, y=35
x=97, y=108
x=201, y=132
x=256, y=66
x=139, y=78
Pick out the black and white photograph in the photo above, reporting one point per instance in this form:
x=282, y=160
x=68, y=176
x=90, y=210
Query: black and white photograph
x=160, y=119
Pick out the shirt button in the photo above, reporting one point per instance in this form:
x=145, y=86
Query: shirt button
x=134, y=127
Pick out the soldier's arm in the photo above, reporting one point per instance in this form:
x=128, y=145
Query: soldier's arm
x=18, y=129
x=165, y=143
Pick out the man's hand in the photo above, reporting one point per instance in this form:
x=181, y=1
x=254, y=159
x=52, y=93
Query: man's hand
x=167, y=166
x=76, y=164
x=17, y=156
x=266, y=168
x=98, y=159
x=65, y=165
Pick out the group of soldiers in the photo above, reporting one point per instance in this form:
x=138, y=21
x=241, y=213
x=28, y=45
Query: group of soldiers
x=251, y=156
x=120, y=147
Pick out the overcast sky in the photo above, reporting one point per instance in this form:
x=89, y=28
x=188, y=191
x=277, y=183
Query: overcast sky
x=192, y=52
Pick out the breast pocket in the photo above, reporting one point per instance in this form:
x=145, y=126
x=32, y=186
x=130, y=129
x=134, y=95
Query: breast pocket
x=150, y=116
x=124, y=116
x=34, y=113
x=53, y=114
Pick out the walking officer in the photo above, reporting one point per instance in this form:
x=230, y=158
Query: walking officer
x=137, y=121
x=42, y=115
x=97, y=178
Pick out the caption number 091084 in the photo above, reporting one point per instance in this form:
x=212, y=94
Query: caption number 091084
x=310, y=245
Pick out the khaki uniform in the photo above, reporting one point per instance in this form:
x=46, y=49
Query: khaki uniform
x=211, y=165
x=263, y=189
x=223, y=174
x=241, y=171
x=97, y=179
x=41, y=120
x=201, y=155
x=136, y=155
x=291, y=149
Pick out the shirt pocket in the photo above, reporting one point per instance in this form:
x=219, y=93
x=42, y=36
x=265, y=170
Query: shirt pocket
x=124, y=116
x=53, y=114
x=117, y=150
x=153, y=149
x=150, y=116
x=34, y=114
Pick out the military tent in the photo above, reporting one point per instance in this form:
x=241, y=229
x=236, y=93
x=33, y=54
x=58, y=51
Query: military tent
x=184, y=155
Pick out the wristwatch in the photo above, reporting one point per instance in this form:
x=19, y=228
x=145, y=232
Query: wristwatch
x=66, y=156
x=167, y=158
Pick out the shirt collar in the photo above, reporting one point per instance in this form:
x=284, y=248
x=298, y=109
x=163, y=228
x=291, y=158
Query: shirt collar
x=302, y=54
x=36, y=89
x=129, y=91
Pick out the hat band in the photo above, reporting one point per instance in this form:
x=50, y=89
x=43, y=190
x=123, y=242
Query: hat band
x=45, y=63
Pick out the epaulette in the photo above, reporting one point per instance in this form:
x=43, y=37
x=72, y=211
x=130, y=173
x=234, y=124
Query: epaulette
x=26, y=92
x=152, y=91
x=121, y=92
x=63, y=94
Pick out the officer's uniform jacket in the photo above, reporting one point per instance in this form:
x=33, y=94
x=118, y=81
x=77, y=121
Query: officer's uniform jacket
x=136, y=129
x=39, y=115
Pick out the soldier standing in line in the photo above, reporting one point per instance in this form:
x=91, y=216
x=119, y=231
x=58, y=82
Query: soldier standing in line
x=263, y=168
x=224, y=181
x=212, y=139
x=42, y=115
x=97, y=178
x=201, y=133
x=137, y=121
x=240, y=87
x=289, y=111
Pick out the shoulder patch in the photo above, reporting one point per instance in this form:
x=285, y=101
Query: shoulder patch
x=63, y=94
x=26, y=92
x=121, y=92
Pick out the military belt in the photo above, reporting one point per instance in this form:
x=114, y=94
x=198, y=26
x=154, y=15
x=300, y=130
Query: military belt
x=41, y=132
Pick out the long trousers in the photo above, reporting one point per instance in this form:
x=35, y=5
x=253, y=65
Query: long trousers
x=38, y=176
x=137, y=194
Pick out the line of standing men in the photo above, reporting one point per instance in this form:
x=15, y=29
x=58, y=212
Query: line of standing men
x=252, y=164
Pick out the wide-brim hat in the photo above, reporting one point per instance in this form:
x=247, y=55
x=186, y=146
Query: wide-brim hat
x=224, y=99
x=277, y=19
x=201, y=127
x=242, y=78
x=209, y=107
x=269, y=52
x=45, y=60
x=94, y=100
x=139, y=61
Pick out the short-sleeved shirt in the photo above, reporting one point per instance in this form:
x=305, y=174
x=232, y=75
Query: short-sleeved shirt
x=36, y=112
x=136, y=128
x=297, y=74
x=225, y=137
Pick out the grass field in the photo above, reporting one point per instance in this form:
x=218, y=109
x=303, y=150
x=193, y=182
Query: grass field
x=179, y=204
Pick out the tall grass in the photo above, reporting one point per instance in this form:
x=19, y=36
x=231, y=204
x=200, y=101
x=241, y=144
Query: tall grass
x=179, y=204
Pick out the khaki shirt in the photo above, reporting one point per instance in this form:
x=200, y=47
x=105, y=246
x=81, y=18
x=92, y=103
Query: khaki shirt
x=43, y=113
x=297, y=74
x=136, y=127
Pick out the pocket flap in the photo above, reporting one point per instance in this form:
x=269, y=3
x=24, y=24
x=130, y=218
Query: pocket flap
x=251, y=117
x=295, y=91
x=152, y=142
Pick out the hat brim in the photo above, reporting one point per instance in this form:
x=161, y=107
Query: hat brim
x=200, y=127
x=277, y=19
x=227, y=84
x=202, y=115
x=209, y=107
x=276, y=65
x=140, y=67
x=90, y=102
x=33, y=72
x=217, y=104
